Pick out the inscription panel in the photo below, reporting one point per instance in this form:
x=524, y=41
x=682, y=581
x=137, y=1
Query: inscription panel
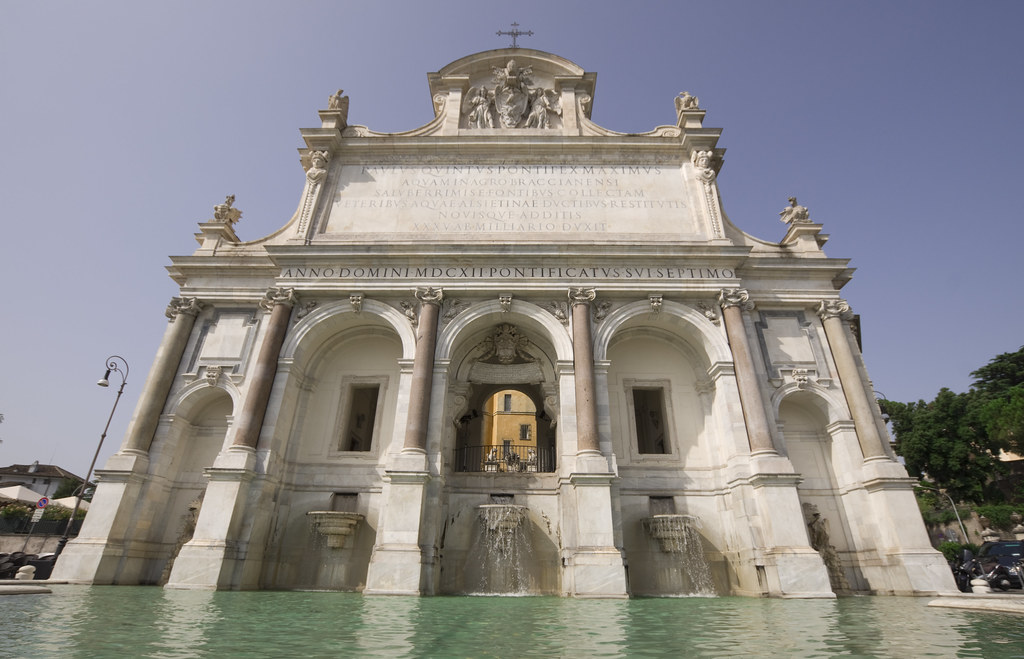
x=503, y=201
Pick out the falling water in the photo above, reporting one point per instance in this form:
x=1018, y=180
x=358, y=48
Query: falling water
x=683, y=568
x=503, y=549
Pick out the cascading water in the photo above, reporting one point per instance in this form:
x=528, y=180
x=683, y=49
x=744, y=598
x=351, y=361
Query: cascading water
x=503, y=550
x=682, y=567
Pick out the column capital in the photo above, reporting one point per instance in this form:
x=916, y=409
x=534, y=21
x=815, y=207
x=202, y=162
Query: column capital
x=183, y=305
x=275, y=296
x=429, y=295
x=581, y=296
x=735, y=297
x=833, y=309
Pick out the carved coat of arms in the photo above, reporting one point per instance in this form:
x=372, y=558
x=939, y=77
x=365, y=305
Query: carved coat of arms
x=513, y=103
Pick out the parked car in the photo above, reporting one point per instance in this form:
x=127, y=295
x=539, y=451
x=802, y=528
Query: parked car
x=1009, y=554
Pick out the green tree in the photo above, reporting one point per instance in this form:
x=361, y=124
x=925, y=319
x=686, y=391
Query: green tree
x=946, y=440
x=67, y=488
x=999, y=386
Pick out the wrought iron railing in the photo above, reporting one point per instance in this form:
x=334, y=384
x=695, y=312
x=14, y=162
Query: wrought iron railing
x=510, y=459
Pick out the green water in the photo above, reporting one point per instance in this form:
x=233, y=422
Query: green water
x=123, y=621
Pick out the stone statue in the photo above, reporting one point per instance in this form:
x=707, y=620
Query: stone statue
x=817, y=533
x=543, y=101
x=705, y=169
x=318, y=169
x=794, y=213
x=224, y=213
x=338, y=103
x=685, y=101
x=477, y=107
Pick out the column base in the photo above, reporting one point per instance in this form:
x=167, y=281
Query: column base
x=596, y=573
x=202, y=566
x=395, y=570
x=798, y=574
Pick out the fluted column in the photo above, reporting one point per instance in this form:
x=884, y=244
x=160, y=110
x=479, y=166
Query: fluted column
x=832, y=314
x=734, y=301
x=422, y=369
x=182, y=312
x=587, y=440
x=279, y=302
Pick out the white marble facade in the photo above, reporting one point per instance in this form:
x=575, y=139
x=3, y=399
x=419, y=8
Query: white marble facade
x=341, y=364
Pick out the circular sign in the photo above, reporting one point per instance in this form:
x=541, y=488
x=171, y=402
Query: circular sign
x=42, y=503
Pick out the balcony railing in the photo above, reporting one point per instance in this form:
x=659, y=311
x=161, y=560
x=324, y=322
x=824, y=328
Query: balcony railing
x=511, y=459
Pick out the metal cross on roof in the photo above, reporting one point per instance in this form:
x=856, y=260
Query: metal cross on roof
x=516, y=32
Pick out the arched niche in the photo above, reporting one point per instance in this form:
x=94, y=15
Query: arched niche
x=180, y=455
x=476, y=373
x=346, y=404
x=658, y=398
x=805, y=417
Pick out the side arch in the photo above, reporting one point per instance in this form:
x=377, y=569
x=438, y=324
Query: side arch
x=523, y=314
x=331, y=319
x=678, y=318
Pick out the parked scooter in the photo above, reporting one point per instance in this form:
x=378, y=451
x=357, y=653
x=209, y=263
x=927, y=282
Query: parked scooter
x=967, y=568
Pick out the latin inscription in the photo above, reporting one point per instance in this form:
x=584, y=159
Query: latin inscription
x=516, y=199
x=435, y=273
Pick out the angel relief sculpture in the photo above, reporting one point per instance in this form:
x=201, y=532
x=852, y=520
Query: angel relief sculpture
x=512, y=103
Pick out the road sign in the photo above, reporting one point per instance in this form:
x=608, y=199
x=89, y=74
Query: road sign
x=37, y=515
x=42, y=503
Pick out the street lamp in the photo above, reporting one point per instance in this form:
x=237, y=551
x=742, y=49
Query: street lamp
x=967, y=538
x=114, y=364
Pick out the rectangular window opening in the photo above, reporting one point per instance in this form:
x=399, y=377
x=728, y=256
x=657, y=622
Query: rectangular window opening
x=362, y=414
x=648, y=410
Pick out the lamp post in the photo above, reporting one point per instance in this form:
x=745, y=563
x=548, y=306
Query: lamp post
x=963, y=530
x=114, y=365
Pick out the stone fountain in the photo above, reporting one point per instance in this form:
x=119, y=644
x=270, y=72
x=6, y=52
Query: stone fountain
x=503, y=548
x=334, y=525
x=684, y=568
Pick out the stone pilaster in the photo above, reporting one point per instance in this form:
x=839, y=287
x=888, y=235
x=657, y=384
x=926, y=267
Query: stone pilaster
x=832, y=314
x=279, y=302
x=181, y=312
x=95, y=556
x=401, y=562
x=587, y=440
x=733, y=302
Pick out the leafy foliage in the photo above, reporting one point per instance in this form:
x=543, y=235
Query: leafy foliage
x=998, y=514
x=946, y=439
x=952, y=550
x=67, y=488
x=999, y=387
x=956, y=439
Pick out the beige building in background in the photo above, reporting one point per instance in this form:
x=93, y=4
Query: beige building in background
x=509, y=303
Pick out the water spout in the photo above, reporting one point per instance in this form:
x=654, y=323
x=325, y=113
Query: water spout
x=335, y=526
x=686, y=570
x=503, y=548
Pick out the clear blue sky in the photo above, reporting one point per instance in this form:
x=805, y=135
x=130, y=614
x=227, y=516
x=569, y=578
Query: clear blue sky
x=123, y=123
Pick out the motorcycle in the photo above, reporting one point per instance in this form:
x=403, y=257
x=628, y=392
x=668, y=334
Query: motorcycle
x=967, y=568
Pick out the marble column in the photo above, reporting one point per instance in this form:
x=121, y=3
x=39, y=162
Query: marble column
x=182, y=312
x=832, y=314
x=587, y=440
x=734, y=302
x=279, y=302
x=422, y=369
